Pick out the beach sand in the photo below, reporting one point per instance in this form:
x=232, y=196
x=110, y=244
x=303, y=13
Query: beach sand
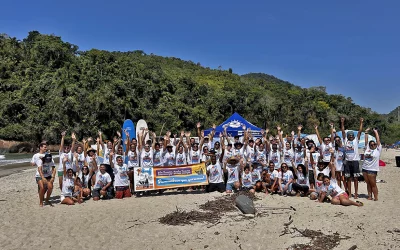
x=133, y=223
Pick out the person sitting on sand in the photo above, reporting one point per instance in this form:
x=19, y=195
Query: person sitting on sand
x=65, y=150
x=370, y=167
x=215, y=175
x=256, y=177
x=45, y=175
x=232, y=166
x=285, y=180
x=332, y=190
x=302, y=185
x=85, y=181
x=71, y=192
x=103, y=183
x=246, y=180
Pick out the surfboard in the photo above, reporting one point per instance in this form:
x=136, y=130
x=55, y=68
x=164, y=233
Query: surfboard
x=130, y=127
x=141, y=125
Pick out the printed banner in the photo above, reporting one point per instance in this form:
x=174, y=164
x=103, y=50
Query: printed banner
x=170, y=177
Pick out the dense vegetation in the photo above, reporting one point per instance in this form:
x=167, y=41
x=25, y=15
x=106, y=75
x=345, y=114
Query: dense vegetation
x=48, y=85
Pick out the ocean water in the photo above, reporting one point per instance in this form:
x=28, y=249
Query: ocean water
x=8, y=159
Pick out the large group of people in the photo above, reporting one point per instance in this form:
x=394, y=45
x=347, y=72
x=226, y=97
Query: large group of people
x=289, y=165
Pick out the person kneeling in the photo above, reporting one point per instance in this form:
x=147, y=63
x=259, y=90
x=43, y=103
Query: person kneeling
x=103, y=184
x=232, y=168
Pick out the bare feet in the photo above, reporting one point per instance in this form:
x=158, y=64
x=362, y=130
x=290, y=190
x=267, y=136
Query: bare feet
x=355, y=196
x=40, y=204
x=369, y=198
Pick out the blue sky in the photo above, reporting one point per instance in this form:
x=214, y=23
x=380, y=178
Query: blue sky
x=351, y=47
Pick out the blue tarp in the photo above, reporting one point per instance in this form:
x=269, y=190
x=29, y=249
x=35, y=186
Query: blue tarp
x=234, y=127
x=397, y=143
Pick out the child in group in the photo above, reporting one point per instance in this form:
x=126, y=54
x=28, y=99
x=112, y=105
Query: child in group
x=247, y=183
x=256, y=177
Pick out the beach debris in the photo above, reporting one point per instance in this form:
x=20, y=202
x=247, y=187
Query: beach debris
x=245, y=204
x=353, y=247
x=319, y=240
x=180, y=217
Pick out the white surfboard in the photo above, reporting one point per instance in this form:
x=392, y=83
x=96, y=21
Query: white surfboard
x=140, y=126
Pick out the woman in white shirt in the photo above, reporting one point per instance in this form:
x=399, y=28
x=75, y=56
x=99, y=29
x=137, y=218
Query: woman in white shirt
x=302, y=184
x=370, y=166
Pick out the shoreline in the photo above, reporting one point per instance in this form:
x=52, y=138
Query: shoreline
x=15, y=168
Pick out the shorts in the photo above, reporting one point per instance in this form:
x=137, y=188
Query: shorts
x=311, y=178
x=220, y=187
x=370, y=172
x=337, y=196
x=352, y=169
x=289, y=189
x=121, y=192
x=40, y=178
x=96, y=192
x=230, y=186
x=314, y=194
x=60, y=173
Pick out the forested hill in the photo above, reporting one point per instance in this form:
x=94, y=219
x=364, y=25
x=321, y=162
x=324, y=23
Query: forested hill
x=47, y=85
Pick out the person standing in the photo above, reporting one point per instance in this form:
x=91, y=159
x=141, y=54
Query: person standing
x=121, y=181
x=370, y=167
x=352, y=167
x=45, y=174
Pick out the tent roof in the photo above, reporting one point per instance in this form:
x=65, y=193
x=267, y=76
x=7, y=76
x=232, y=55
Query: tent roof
x=234, y=126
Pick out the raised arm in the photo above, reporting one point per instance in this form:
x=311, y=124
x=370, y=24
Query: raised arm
x=342, y=128
x=73, y=136
x=360, y=129
x=187, y=134
x=226, y=136
x=127, y=142
x=101, y=140
x=181, y=141
x=201, y=141
x=299, y=127
x=211, y=135
x=198, y=125
x=153, y=142
x=366, y=138
x=378, y=140
x=62, y=141
x=318, y=135
x=85, y=147
x=332, y=164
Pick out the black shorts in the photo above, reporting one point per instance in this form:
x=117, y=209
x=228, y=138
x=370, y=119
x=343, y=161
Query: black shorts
x=220, y=187
x=352, y=169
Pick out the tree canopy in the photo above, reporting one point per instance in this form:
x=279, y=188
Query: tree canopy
x=48, y=85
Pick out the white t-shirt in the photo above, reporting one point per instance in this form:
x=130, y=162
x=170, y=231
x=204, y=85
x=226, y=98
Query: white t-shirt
x=47, y=168
x=261, y=156
x=333, y=189
x=326, y=154
x=339, y=157
x=273, y=175
x=146, y=158
x=250, y=154
x=371, y=158
x=169, y=157
x=215, y=173
x=301, y=179
x=180, y=159
x=288, y=156
x=319, y=186
x=299, y=157
x=351, y=148
x=315, y=156
x=90, y=163
x=227, y=154
x=246, y=180
x=285, y=177
x=106, y=155
x=68, y=187
x=238, y=152
x=102, y=180
x=68, y=164
x=158, y=158
x=326, y=171
x=255, y=176
x=81, y=161
x=194, y=156
x=84, y=179
x=233, y=172
x=275, y=157
x=121, y=175
x=133, y=158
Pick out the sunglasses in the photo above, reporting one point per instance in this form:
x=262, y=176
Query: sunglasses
x=373, y=144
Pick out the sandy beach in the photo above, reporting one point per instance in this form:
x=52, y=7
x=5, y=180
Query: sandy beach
x=133, y=223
